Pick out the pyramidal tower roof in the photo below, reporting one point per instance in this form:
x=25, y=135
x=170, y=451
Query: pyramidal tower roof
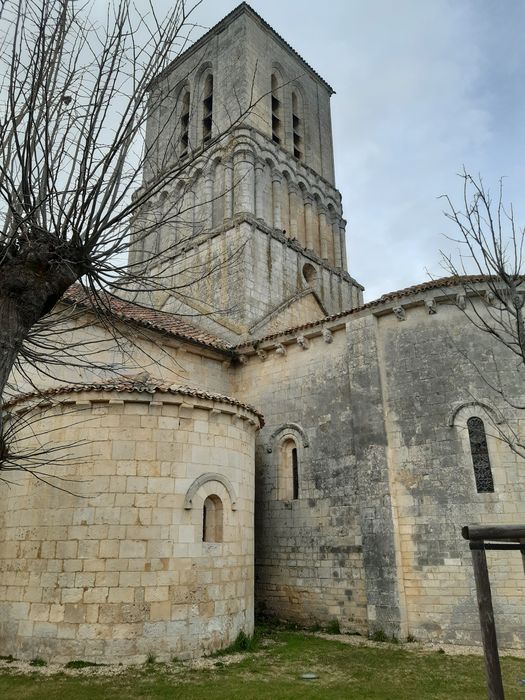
x=243, y=8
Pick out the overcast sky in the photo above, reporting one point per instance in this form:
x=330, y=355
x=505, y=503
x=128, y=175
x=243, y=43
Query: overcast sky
x=422, y=88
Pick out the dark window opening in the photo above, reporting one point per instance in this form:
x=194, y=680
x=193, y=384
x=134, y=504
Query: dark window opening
x=185, y=124
x=277, y=126
x=297, y=124
x=212, y=517
x=480, y=455
x=295, y=474
x=207, y=114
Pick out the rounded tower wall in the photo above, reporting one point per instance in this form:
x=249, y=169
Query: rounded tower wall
x=116, y=561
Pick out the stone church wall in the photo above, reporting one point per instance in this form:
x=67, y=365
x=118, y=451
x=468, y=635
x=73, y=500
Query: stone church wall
x=308, y=549
x=254, y=271
x=377, y=519
x=431, y=368
x=121, y=569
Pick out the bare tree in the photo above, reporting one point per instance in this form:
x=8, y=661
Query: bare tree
x=74, y=97
x=489, y=266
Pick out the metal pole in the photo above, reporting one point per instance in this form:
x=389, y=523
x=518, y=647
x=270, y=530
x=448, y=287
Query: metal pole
x=486, y=619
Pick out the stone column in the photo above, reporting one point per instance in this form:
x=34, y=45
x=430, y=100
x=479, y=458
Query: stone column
x=323, y=233
x=243, y=199
x=285, y=207
x=191, y=213
x=259, y=189
x=293, y=195
x=163, y=236
x=228, y=189
x=276, y=199
x=342, y=238
x=337, y=242
x=208, y=201
x=186, y=216
x=309, y=221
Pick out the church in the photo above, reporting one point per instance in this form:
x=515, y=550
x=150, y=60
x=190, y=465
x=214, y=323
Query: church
x=271, y=445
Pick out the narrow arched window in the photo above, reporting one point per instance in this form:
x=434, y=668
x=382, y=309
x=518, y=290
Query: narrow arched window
x=207, y=109
x=277, y=125
x=184, y=123
x=295, y=474
x=480, y=455
x=298, y=127
x=288, y=477
x=212, y=517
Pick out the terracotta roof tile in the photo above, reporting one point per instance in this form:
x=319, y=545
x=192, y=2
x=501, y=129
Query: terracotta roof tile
x=162, y=321
x=133, y=384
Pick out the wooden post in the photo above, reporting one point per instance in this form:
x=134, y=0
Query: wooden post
x=486, y=618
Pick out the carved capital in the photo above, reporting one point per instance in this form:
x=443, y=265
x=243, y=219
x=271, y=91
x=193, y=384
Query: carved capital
x=308, y=199
x=280, y=349
x=327, y=335
x=244, y=154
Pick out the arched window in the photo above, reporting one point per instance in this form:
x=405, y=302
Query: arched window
x=212, y=519
x=288, y=471
x=480, y=455
x=184, y=123
x=298, y=127
x=207, y=108
x=277, y=124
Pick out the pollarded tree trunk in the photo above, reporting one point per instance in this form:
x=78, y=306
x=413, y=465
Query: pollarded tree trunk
x=31, y=282
x=12, y=334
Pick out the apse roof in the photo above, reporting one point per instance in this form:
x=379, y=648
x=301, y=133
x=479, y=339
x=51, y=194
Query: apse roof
x=133, y=384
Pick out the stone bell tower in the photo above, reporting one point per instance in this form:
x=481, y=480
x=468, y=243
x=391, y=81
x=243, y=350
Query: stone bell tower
x=254, y=216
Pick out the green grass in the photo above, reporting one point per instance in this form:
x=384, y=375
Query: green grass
x=241, y=645
x=388, y=672
x=333, y=627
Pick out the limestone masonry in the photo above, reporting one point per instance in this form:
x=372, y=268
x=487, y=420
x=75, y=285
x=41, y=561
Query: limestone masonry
x=288, y=450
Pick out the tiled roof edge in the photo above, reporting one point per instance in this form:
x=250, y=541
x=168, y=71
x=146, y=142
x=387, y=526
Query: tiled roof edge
x=149, y=386
x=216, y=344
